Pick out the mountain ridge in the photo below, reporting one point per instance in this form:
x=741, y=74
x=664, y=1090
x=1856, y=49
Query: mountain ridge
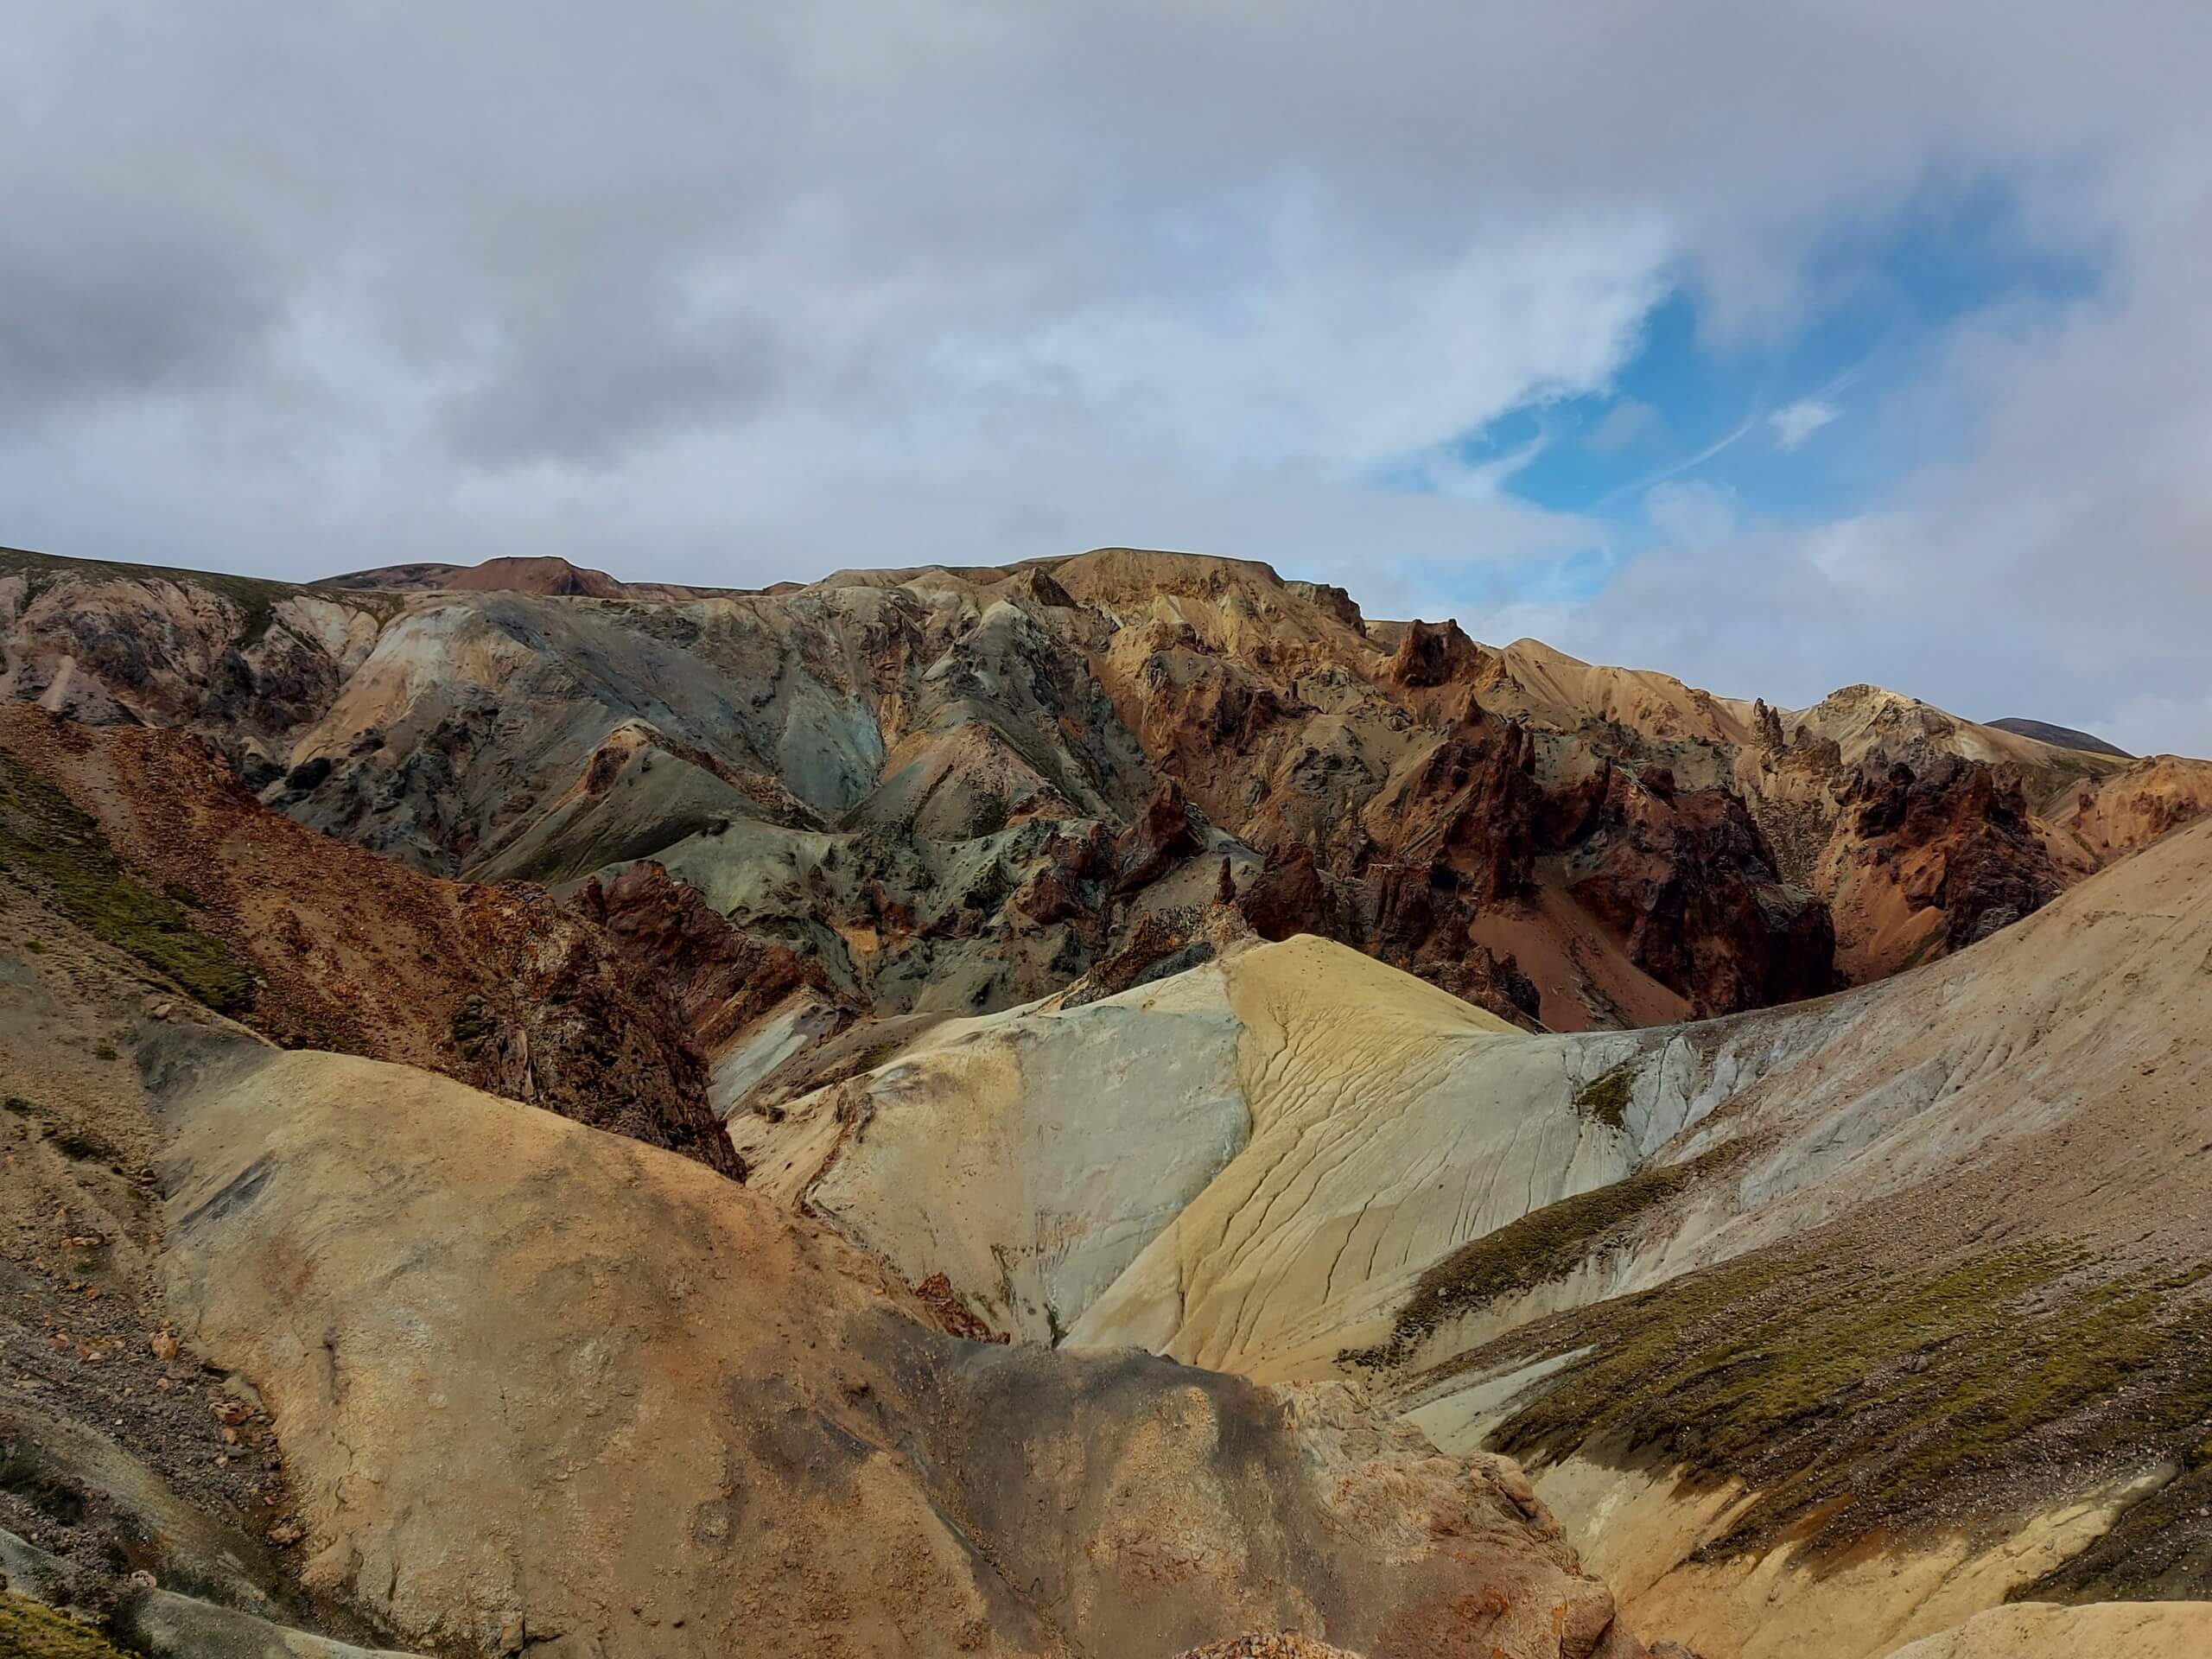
x=1564, y=842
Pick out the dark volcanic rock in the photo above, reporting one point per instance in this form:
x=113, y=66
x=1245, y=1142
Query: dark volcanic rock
x=1963, y=827
x=719, y=978
x=1163, y=835
x=1291, y=895
x=2064, y=737
x=1689, y=880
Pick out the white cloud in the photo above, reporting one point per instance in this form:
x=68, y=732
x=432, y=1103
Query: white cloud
x=1692, y=514
x=746, y=292
x=1795, y=422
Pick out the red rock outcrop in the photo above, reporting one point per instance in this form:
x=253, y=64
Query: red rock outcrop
x=1291, y=895
x=720, y=979
x=1686, y=878
x=1449, y=794
x=1955, y=836
x=1163, y=835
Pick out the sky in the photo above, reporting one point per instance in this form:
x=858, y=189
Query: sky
x=1780, y=348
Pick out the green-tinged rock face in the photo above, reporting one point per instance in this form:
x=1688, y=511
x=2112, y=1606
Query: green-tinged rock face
x=1885, y=1399
x=46, y=838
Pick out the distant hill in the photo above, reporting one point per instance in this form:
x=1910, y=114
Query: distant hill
x=2059, y=737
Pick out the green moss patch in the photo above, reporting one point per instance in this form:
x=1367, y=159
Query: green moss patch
x=1542, y=1246
x=48, y=839
x=1605, y=1098
x=35, y=1632
x=1885, y=1399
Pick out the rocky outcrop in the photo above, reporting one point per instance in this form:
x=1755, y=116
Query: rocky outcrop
x=1430, y=656
x=720, y=980
x=2112, y=817
x=1164, y=834
x=246, y=662
x=1948, y=852
x=1067, y=884
x=1468, y=806
x=1290, y=895
x=1688, y=880
x=539, y=574
x=1163, y=943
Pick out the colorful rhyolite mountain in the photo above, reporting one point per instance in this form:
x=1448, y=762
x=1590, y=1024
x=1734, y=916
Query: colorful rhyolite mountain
x=1090, y=1108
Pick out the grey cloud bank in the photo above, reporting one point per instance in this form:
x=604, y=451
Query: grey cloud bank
x=739, y=293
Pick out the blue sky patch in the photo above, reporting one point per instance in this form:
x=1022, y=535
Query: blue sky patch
x=1789, y=428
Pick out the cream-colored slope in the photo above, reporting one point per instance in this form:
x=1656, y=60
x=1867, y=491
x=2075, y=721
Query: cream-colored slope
x=1028, y=1156
x=2081, y=1027
x=1243, y=1166
x=1370, y=1155
x=1250, y=1164
x=2045, y=1090
x=536, y=1383
x=1388, y=1125
x=2171, y=1630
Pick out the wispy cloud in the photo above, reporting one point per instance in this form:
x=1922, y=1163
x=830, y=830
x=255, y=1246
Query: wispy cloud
x=1630, y=421
x=1795, y=422
x=1636, y=487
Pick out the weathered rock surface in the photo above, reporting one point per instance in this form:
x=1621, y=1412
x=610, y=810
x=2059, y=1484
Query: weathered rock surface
x=1287, y=1644
x=1559, y=1238
x=530, y=1378
x=1316, y=1128
x=155, y=1622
